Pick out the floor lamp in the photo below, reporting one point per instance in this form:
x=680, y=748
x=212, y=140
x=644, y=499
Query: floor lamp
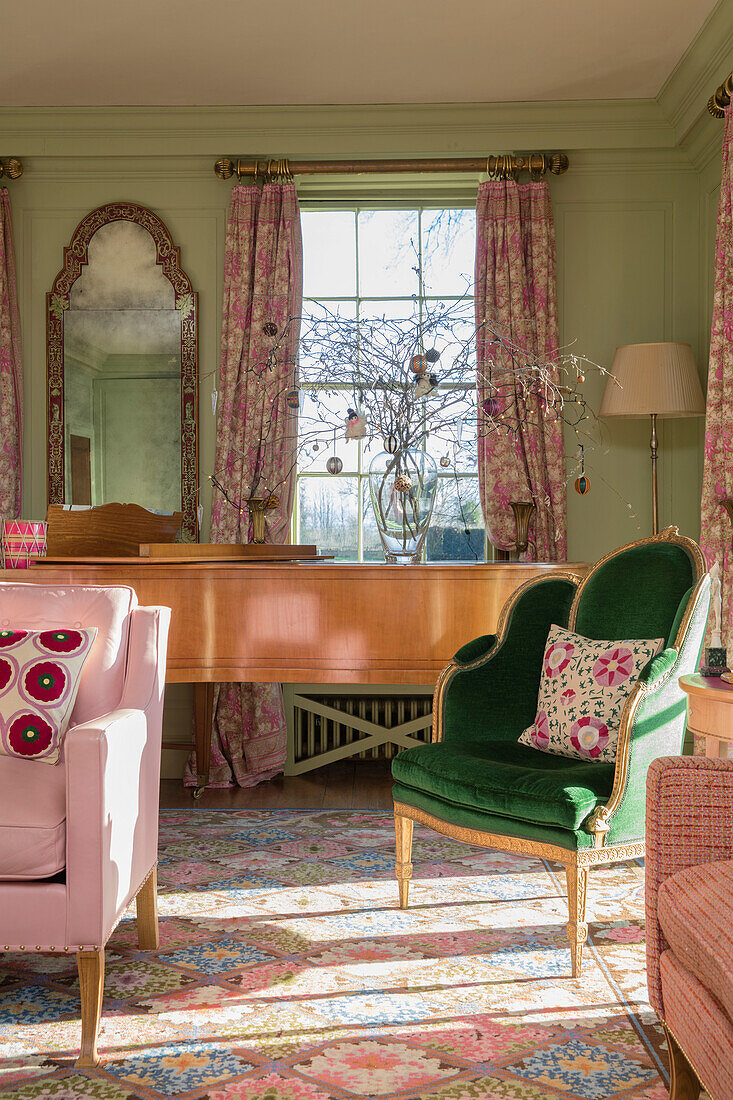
x=655, y=380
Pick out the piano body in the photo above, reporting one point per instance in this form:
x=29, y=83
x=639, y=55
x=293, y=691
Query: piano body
x=316, y=621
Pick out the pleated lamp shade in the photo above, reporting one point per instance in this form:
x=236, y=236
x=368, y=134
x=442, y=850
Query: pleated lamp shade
x=653, y=378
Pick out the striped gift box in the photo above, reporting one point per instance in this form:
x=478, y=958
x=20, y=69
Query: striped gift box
x=22, y=539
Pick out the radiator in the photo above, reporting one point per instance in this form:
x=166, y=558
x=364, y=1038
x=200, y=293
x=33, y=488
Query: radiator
x=327, y=726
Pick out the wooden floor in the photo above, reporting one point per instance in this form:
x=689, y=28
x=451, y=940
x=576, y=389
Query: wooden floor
x=348, y=785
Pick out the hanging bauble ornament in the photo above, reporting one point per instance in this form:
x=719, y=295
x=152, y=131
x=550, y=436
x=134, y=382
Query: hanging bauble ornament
x=315, y=447
x=432, y=355
x=334, y=465
x=491, y=406
x=582, y=485
x=390, y=444
x=445, y=462
x=419, y=364
x=402, y=483
x=269, y=328
x=292, y=399
x=581, y=379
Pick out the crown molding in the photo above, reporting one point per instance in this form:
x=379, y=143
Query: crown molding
x=705, y=64
x=473, y=129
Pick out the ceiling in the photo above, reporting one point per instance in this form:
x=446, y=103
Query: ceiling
x=243, y=52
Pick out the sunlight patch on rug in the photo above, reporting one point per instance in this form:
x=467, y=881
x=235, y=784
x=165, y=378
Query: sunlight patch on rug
x=287, y=971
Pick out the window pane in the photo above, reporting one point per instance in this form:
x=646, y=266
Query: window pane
x=329, y=253
x=453, y=430
x=372, y=544
x=388, y=256
x=449, y=248
x=450, y=328
x=322, y=429
x=316, y=337
x=457, y=509
x=327, y=513
x=389, y=334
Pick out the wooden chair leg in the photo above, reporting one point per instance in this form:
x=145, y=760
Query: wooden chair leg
x=146, y=904
x=577, y=928
x=403, y=866
x=683, y=1082
x=91, y=985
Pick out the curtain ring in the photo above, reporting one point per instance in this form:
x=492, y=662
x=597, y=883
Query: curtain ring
x=536, y=166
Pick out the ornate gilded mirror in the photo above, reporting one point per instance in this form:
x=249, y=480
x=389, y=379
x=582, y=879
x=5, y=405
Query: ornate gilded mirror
x=122, y=368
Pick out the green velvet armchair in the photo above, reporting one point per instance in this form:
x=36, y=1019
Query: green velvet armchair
x=474, y=782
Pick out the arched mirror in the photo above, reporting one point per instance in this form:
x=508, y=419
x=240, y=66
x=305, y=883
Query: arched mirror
x=122, y=368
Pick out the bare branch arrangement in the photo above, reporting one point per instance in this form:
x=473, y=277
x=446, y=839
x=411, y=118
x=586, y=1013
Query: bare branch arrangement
x=409, y=381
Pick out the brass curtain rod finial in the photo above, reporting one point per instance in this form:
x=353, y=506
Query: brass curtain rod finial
x=224, y=168
x=11, y=168
x=559, y=163
x=721, y=97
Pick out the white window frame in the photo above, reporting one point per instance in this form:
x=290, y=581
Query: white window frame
x=361, y=473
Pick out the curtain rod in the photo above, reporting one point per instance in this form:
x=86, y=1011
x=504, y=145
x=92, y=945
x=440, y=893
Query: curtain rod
x=10, y=168
x=500, y=167
x=721, y=98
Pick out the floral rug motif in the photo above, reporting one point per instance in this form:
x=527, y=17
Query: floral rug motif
x=287, y=971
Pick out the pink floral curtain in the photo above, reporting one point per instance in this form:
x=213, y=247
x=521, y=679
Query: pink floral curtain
x=255, y=442
x=516, y=291
x=717, y=485
x=11, y=371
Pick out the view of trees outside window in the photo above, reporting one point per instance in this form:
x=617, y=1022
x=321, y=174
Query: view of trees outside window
x=362, y=263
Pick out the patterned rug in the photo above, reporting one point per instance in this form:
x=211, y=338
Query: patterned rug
x=287, y=972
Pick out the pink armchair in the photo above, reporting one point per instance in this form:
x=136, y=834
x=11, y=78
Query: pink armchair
x=78, y=840
x=689, y=919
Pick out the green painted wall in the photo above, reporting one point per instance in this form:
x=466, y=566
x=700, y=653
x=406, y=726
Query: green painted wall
x=627, y=231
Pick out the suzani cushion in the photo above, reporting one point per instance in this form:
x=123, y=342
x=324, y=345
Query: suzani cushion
x=582, y=693
x=39, y=678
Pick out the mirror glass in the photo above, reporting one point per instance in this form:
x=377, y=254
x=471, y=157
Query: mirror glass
x=123, y=369
x=122, y=376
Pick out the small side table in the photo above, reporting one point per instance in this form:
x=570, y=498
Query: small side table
x=709, y=710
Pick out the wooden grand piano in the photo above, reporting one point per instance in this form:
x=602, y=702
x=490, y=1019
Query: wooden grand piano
x=318, y=622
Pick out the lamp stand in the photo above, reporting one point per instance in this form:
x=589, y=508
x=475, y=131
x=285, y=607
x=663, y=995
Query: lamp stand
x=655, y=501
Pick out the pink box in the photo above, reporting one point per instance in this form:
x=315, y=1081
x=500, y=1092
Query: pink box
x=22, y=539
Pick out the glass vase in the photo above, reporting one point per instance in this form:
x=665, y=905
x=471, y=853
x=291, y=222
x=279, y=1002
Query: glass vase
x=402, y=488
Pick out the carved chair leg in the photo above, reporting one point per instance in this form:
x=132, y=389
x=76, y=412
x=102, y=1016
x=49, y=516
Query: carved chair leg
x=146, y=904
x=91, y=985
x=577, y=928
x=403, y=867
x=683, y=1082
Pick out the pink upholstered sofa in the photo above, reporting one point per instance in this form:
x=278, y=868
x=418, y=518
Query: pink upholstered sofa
x=78, y=839
x=689, y=919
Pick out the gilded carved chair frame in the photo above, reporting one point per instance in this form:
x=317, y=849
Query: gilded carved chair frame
x=598, y=823
x=168, y=257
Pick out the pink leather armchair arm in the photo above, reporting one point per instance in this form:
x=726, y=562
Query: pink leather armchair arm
x=112, y=790
x=689, y=820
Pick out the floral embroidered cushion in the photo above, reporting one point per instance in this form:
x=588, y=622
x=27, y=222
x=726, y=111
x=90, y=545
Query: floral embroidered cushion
x=582, y=693
x=40, y=672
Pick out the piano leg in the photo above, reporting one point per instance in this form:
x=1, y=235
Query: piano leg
x=203, y=709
